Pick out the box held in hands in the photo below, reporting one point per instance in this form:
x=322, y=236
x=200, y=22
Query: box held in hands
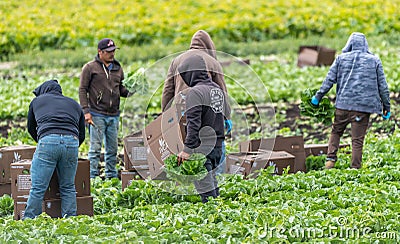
x=163, y=137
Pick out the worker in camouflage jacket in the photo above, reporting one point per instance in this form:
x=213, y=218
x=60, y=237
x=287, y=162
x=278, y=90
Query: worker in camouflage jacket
x=361, y=90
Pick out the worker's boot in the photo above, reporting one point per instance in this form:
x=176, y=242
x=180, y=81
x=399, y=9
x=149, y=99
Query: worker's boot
x=329, y=164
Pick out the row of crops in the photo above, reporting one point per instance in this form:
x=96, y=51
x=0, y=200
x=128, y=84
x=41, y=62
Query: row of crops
x=27, y=25
x=339, y=205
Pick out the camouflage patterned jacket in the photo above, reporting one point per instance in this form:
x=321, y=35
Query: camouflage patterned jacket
x=360, y=81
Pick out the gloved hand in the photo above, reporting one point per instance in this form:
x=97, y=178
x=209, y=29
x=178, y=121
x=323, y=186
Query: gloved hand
x=385, y=115
x=228, y=126
x=314, y=101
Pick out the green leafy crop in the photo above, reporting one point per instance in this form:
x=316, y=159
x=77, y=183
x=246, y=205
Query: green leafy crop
x=136, y=81
x=315, y=162
x=324, y=112
x=6, y=205
x=190, y=170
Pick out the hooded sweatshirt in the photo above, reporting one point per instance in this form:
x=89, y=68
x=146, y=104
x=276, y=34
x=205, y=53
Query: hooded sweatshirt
x=100, y=88
x=52, y=113
x=202, y=45
x=206, y=107
x=360, y=81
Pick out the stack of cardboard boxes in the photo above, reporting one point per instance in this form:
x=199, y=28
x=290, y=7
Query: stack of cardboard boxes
x=315, y=56
x=21, y=185
x=289, y=147
x=282, y=152
x=248, y=164
x=135, y=159
x=146, y=151
x=9, y=155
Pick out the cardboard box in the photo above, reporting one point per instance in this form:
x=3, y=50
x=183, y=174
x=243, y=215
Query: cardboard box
x=315, y=149
x=249, y=146
x=291, y=144
x=5, y=188
x=234, y=161
x=239, y=163
x=82, y=179
x=84, y=206
x=52, y=207
x=249, y=164
x=10, y=155
x=135, y=152
x=163, y=137
x=319, y=149
x=21, y=180
x=127, y=176
x=315, y=56
x=19, y=207
x=279, y=159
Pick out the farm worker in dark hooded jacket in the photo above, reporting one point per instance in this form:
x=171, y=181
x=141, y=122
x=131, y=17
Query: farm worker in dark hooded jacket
x=206, y=108
x=361, y=90
x=175, y=88
x=57, y=123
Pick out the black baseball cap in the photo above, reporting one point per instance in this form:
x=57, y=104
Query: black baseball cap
x=106, y=44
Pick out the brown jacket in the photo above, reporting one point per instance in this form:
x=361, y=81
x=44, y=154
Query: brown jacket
x=203, y=46
x=100, y=89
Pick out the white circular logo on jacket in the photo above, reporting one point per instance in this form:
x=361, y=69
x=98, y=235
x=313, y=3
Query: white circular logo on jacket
x=217, y=100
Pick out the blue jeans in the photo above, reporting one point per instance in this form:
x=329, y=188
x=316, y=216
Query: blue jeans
x=222, y=164
x=105, y=129
x=54, y=152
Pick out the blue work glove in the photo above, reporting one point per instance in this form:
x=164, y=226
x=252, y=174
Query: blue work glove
x=228, y=126
x=314, y=101
x=387, y=116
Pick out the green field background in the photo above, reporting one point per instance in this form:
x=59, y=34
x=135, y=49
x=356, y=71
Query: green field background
x=40, y=40
x=38, y=25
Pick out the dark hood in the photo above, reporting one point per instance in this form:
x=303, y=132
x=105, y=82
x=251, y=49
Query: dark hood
x=50, y=86
x=202, y=40
x=193, y=70
x=356, y=42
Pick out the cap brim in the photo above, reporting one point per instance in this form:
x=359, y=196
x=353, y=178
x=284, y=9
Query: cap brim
x=110, y=48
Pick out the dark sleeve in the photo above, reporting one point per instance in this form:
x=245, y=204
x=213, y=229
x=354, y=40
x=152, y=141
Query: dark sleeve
x=84, y=88
x=81, y=128
x=122, y=89
x=32, y=123
x=169, y=87
x=193, y=120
